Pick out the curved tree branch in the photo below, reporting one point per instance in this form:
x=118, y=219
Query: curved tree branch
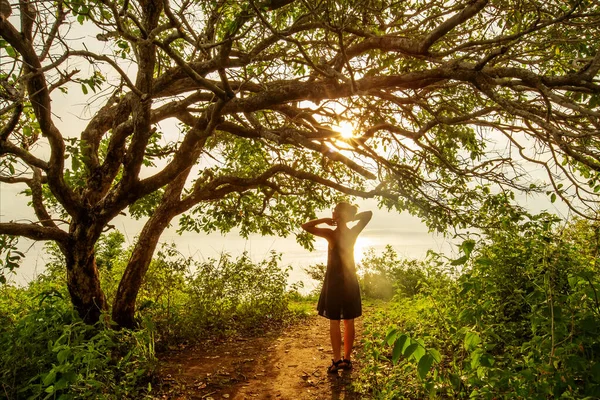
x=33, y=231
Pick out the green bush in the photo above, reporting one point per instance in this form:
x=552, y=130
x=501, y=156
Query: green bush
x=381, y=276
x=48, y=352
x=521, y=320
x=238, y=294
x=189, y=301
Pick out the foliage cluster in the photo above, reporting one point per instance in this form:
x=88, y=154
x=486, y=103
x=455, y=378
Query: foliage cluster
x=49, y=352
x=517, y=316
x=190, y=300
x=382, y=275
x=226, y=295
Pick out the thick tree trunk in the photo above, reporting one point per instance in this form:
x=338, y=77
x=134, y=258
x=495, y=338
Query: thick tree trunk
x=83, y=282
x=124, y=305
x=123, y=312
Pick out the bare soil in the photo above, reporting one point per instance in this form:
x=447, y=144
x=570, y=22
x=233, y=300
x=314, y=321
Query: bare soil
x=289, y=363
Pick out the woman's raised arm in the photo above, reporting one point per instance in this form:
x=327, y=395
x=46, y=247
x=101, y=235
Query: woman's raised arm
x=311, y=226
x=363, y=219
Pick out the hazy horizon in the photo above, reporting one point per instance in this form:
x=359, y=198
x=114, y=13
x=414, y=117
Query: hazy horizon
x=407, y=235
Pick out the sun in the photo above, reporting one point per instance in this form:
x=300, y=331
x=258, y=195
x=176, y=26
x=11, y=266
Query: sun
x=346, y=130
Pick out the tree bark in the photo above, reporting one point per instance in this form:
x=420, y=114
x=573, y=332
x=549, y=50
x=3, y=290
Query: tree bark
x=83, y=280
x=123, y=312
x=83, y=283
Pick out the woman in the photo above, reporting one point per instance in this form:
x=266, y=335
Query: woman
x=340, y=295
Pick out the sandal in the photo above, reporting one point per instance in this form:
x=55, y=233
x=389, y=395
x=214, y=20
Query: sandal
x=335, y=366
x=346, y=364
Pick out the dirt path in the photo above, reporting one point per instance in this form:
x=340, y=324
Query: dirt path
x=287, y=364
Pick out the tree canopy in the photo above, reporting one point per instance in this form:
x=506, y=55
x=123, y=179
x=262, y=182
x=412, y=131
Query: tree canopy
x=228, y=114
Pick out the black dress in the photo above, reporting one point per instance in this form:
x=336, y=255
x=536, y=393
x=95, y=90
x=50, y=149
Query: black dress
x=340, y=295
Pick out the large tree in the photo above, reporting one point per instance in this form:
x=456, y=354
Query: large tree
x=226, y=113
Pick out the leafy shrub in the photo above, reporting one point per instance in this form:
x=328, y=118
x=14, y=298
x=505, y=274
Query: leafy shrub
x=238, y=294
x=162, y=297
x=49, y=352
x=383, y=275
x=189, y=300
x=380, y=276
x=520, y=321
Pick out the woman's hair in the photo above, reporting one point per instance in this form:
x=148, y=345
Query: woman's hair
x=345, y=207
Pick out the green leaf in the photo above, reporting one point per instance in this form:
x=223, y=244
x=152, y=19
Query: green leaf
x=456, y=382
x=466, y=287
x=471, y=341
x=84, y=89
x=49, y=378
x=411, y=349
x=436, y=355
x=419, y=352
x=487, y=360
x=573, y=281
x=11, y=51
x=552, y=197
x=63, y=355
x=61, y=384
x=391, y=336
x=424, y=366
x=399, y=346
x=475, y=359
x=481, y=372
x=468, y=246
x=69, y=376
x=459, y=261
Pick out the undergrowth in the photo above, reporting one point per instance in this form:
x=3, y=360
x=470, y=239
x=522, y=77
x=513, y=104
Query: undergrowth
x=517, y=316
x=48, y=352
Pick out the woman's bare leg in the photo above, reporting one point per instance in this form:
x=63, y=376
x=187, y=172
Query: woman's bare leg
x=348, y=337
x=336, y=338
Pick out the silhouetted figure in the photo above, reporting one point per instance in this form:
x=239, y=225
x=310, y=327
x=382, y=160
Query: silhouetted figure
x=340, y=295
